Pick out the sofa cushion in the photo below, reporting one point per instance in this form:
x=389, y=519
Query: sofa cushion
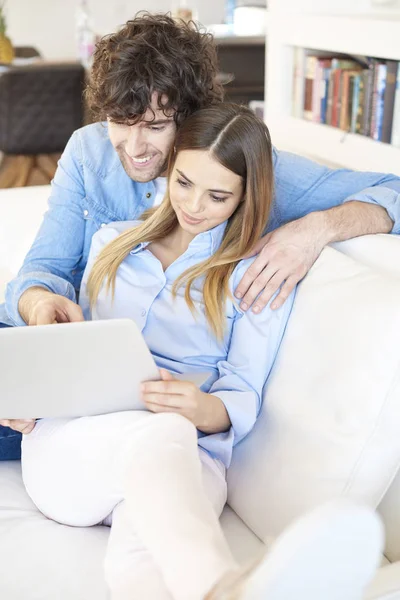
x=40, y=559
x=331, y=416
x=43, y=560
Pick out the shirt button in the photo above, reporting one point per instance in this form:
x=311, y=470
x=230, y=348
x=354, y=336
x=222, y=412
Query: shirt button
x=85, y=212
x=143, y=313
x=148, y=195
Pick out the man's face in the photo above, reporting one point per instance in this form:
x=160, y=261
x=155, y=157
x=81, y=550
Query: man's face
x=143, y=148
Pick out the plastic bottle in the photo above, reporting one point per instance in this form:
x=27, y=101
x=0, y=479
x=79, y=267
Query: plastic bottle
x=230, y=6
x=85, y=34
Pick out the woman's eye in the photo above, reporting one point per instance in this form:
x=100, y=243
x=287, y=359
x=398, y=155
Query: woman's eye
x=218, y=198
x=182, y=182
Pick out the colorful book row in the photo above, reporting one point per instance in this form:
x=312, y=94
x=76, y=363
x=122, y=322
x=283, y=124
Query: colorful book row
x=359, y=95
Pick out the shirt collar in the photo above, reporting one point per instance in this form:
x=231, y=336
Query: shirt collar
x=139, y=248
x=210, y=239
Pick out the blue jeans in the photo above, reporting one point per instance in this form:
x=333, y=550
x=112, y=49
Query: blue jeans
x=10, y=440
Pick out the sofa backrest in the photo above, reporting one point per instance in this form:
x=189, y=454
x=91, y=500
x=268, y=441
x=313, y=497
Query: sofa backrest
x=330, y=422
x=21, y=211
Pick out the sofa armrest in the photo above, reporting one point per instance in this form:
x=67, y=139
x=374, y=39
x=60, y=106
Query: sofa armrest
x=386, y=584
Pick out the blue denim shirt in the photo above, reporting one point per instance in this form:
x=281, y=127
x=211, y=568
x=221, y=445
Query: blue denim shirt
x=181, y=342
x=91, y=189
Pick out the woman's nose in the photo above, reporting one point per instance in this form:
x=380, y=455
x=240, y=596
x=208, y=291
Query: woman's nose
x=194, y=204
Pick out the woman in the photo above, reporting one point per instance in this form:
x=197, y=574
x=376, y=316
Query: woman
x=159, y=480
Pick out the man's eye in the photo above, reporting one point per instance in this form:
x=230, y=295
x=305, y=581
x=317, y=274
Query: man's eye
x=182, y=182
x=155, y=128
x=218, y=198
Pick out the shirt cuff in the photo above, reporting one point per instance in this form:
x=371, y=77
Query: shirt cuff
x=381, y=196
x=20, y=284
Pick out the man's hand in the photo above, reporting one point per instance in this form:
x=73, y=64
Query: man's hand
x=24, y=426
x=38, y=306
x=205, y=411
x=285, y=257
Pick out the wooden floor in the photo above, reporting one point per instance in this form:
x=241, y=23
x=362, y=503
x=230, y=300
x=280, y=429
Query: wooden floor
x=17, y=170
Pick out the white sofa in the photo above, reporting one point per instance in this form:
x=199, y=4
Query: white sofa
x=330, y=424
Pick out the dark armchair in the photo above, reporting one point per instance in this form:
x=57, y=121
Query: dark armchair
x=40, y=106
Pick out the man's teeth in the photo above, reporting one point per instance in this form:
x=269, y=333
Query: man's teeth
x=142, y=160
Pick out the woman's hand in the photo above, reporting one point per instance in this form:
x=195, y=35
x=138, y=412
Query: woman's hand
x=205, y=411
x=22, y=425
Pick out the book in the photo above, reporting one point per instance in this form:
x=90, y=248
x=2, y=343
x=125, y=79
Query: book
x=320, y=89
x=355, y=102
x=359, y=126
x=381, y=69
x=338, y=66
x=311, y=65
x=325, y=91
x=388, y=105
x=395, y=139
x=346, y=99
x=316, y=92
x=368, y=96
x=298, y=82
x=330, y=97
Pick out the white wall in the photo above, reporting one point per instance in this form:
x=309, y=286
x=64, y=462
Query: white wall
x=49, y=25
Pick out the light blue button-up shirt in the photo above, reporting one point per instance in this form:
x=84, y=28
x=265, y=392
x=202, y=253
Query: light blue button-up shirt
x=180, y=342
x=91, y=189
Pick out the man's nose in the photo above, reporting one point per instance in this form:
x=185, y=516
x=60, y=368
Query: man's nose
x=136, y=143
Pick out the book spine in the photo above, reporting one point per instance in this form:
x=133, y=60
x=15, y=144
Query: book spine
x=395, y=140
x=347, y=124
x=309, y=84
x=324, y=93
x=368, y=87
x=298, y=83
x=336, y=96
x=355, y=103
x=330, y=97
x=380, y=97
x=361, y=104
x=388, y=105
x=316, y=98
x=344, y=100
x=374, y=102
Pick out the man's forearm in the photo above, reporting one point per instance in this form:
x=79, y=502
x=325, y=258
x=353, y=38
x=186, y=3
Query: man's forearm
x=353, y=219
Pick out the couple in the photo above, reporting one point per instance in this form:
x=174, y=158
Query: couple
x=176, y=273
x=159, y=479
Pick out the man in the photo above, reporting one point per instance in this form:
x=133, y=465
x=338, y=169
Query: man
x=145, y=80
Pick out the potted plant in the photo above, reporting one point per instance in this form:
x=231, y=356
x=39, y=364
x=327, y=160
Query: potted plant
x=6, y=48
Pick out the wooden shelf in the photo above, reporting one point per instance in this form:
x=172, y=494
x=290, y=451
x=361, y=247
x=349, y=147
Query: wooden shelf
x=334, y=146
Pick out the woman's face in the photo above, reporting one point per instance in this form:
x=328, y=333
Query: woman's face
x=203, y=193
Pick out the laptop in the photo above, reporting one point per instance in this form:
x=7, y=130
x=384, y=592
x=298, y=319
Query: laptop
x=75, y=369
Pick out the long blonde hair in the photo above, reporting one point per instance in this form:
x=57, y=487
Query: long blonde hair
x=240, y=141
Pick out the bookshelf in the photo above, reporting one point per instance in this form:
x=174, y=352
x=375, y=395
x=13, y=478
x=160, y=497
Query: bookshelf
x=373, y=35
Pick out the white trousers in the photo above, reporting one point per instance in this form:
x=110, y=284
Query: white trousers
x=145, y=475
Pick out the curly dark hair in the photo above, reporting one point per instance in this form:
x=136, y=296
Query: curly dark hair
x=153, y=53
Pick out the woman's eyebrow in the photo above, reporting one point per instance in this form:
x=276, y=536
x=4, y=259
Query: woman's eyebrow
x=211, y=190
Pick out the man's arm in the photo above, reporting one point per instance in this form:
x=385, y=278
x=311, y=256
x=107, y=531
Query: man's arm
x=327, y=206
x=58, y=246
x=303, y=186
